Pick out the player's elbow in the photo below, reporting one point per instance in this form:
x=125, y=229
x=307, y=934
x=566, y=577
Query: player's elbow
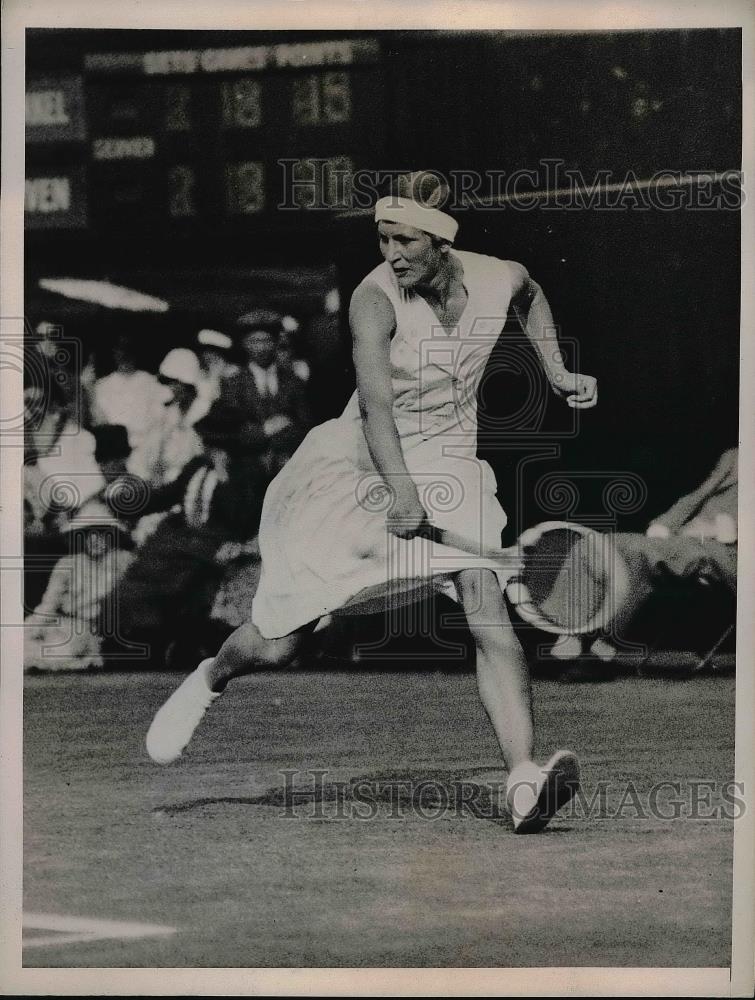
x=526, y=289
x=375, y=407
x=532, y=290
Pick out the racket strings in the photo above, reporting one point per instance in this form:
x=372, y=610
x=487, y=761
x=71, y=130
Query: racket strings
x=565, y=575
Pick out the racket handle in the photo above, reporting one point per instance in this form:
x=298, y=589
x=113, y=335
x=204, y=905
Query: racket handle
x=510, y=558
x=431, y=531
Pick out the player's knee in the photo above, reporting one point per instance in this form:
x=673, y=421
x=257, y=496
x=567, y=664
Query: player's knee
x=473, y=586
x=246, y=651
x=242, y=649
x=272, y=654
x=481, y=597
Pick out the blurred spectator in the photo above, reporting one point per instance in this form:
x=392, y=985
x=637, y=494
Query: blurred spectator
x=330, y=359
x=111, y=450
x=124, y=493
x=167, y=447
x=710, y=511
x=695, y=540
x=64, y=632
x=214, y=351
x=269, y=399
x=289, y=352
x=61, y=471
x=45, y=335
x=87, y=382
x=50, y=359
x=242, y=565
x=169, y=590
x=128, y=396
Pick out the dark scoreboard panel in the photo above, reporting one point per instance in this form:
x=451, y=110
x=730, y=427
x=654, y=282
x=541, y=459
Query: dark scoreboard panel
x=224, y=136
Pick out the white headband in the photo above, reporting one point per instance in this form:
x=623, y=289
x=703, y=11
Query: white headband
x=411, y=213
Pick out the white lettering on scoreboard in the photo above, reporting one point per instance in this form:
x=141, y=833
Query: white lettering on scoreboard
x=171, y=62
x=229, y=60
x=46, y=107
x=138, y=147
x=339, y=53
x=295, y=55
x=43, y=195
x=55, y=109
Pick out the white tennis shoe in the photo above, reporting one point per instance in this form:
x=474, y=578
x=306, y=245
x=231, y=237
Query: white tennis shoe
x=175, y=722
x=535, y=794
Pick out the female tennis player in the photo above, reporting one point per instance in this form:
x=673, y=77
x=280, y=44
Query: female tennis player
x=342, y=523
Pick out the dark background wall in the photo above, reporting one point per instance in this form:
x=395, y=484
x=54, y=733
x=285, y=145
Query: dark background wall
x=649, y=299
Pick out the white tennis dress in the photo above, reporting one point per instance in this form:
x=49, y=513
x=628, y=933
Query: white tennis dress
x=323, y=536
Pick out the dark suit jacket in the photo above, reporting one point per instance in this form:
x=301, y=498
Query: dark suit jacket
x=240, y=393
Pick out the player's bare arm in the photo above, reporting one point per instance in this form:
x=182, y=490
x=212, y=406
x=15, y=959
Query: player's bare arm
x=372, y=324
x=536, y=319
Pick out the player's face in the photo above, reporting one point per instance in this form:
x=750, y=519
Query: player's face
x=414, y=257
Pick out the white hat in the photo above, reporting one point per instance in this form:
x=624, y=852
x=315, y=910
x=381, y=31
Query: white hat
x=214, y=338
x=93, y=514
x=181, y=365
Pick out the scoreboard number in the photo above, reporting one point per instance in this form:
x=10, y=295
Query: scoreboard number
x=322, y=183
x=181, y=186
x=178, y=108
x=241, y=103
x=245, y=188
x=306, y=100
x=338, y=174
x=336, y=97
x=321, y=99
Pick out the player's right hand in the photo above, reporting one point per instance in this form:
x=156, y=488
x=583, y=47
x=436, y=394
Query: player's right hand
x=406, y=516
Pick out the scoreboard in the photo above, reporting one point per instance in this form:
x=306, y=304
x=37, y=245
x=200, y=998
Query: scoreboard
x=242, y=138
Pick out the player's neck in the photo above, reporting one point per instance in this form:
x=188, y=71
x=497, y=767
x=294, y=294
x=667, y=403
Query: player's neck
x=440, y=286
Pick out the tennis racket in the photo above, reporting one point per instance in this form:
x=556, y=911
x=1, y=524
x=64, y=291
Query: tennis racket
x=564, y=577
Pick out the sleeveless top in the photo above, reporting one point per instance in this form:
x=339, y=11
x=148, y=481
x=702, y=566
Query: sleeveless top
x=436, y=372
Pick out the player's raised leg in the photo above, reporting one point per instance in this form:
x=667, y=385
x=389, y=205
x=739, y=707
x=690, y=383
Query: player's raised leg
x=534, y=793
x=245, y=651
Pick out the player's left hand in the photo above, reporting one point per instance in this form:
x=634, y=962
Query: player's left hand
x=579, y=391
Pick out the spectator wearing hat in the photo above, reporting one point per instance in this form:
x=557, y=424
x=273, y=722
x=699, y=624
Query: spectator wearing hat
x=217, y=499
x=167, y=448
x=128, y=396
x=65, y=630
x=269, y=398
x=214, y=350
x=60, y=466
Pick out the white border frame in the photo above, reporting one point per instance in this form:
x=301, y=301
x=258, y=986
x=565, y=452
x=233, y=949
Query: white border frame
x=359, y=15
